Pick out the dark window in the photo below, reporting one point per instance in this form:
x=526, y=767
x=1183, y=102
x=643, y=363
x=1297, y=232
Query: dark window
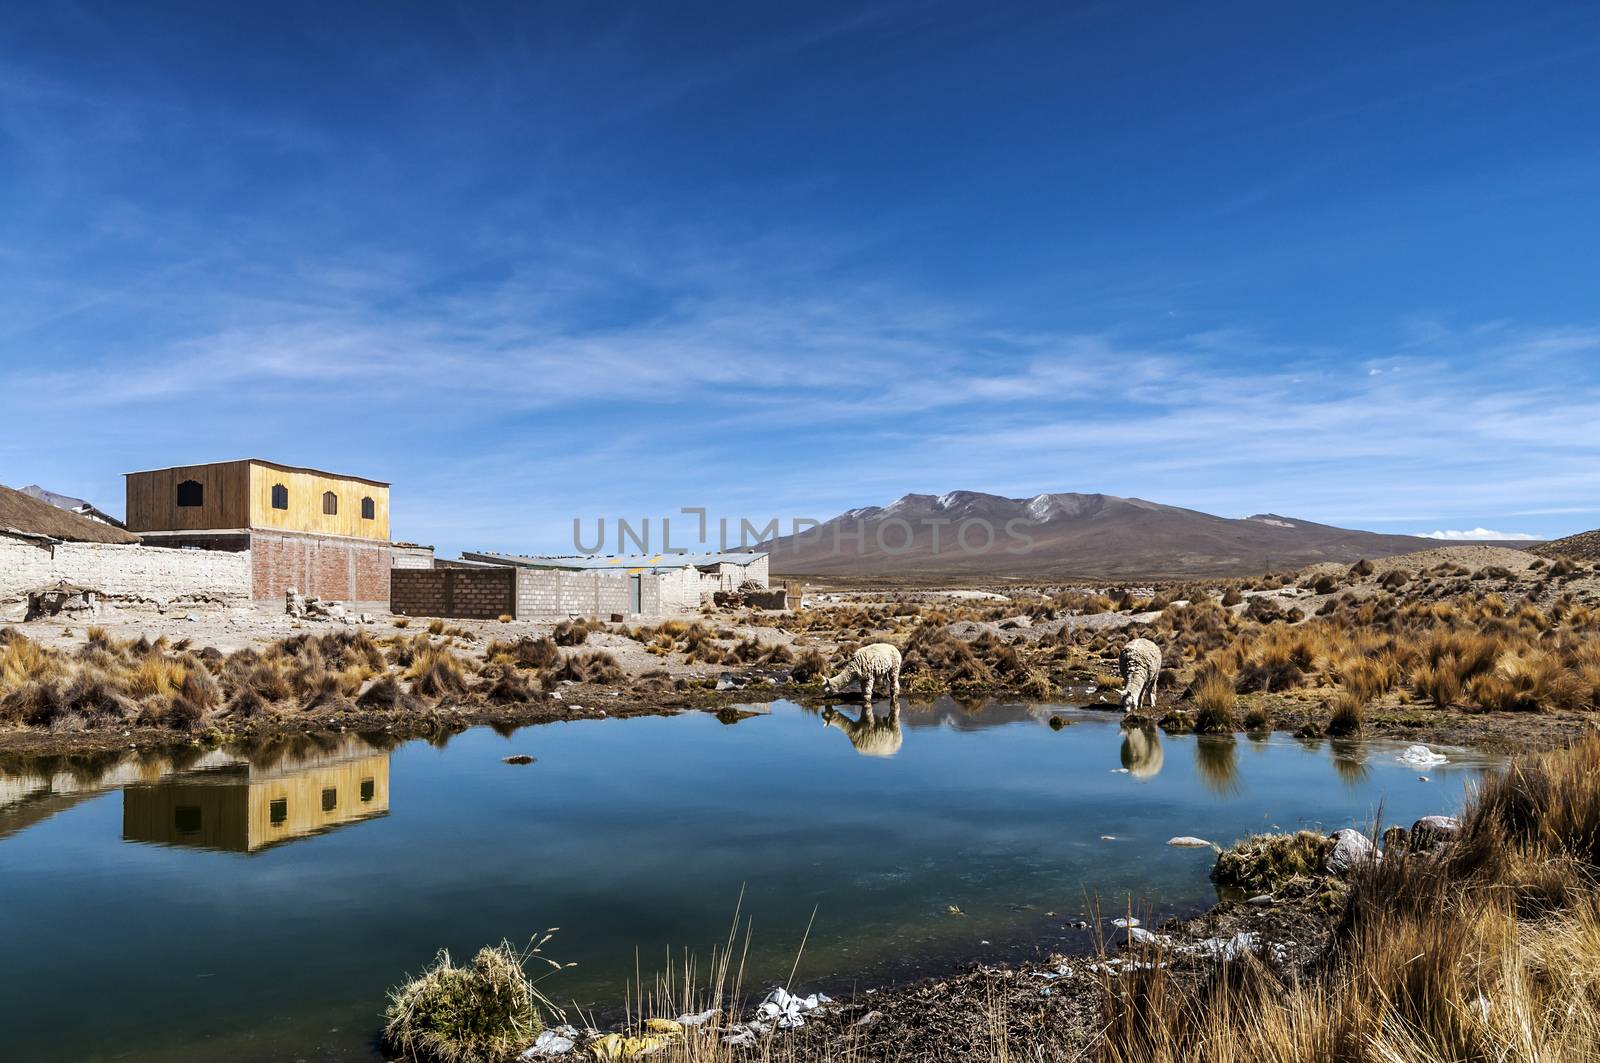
x=280, y=497
x=186, y=819
x=330, y=798
x=369, y=509
x=330, y=503
x=191, y=493
x=279, y=811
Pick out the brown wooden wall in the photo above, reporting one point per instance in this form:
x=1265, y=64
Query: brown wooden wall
x=153, y=498
x=238, y=494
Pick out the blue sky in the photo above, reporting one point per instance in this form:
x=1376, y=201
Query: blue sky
x=539, y=262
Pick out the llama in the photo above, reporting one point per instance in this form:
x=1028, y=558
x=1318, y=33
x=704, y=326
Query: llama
x=1141, y=752
x=872, y=735
x=877, y=665
x=1140, y=664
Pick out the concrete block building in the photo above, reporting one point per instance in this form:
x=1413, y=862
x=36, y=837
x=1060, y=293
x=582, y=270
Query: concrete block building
x=486, y=585
x=323, y=533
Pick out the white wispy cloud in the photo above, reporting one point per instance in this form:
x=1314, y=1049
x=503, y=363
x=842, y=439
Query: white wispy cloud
x=1476, y=534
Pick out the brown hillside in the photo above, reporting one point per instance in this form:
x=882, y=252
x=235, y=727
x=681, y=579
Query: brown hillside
x=1585, y=546
x=1072, y=534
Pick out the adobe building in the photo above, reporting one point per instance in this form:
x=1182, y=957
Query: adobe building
x=245, y=808
x=325, y=534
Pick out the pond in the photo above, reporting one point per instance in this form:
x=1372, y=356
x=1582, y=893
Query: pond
x=256, y=905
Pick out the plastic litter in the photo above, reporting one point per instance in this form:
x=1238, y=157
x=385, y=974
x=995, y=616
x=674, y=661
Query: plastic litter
x=1422, y=757
x=549, y=1043
x=614, y=1047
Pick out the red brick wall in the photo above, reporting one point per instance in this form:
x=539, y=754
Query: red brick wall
x=346, y=570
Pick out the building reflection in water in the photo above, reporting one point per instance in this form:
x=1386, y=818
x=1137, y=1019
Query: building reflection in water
x=261, y=800
x=1141, y=752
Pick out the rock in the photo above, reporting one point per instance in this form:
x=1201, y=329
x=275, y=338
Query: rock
x=1186, y=841
x=1430, y=831
x=1350, y=847
x=293, y=604
x=1260, y=900
x=193, y=618
x=728, y=681
x=366, y=618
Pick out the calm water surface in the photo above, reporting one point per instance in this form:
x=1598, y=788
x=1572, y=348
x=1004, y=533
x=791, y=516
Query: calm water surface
x=257, y=905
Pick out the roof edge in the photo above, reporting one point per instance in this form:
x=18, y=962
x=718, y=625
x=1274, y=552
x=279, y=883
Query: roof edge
x=270, y=465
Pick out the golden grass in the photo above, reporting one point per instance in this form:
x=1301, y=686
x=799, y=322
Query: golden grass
x=1487, y=951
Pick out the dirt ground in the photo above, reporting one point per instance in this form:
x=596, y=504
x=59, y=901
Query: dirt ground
x=839, y=616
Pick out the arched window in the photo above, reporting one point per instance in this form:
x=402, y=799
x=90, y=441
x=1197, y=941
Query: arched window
x=369, y=509
x=280, y=497
x=191, y=493
x=330, y=503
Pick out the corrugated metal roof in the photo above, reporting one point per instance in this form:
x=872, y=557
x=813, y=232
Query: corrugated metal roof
x=616, y=562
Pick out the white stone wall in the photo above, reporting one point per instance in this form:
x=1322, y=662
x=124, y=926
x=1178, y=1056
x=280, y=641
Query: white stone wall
x=545, y=593
x=141, y=573
x=411, y=557
x=728, y=576
x=673, y=590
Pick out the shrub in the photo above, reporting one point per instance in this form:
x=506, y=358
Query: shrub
x=1213, y=705
x=572, y=632
x=597, y=666
x=527, y=652
x=1264, y=862
x=387, y=696
x=1232, y=596
x=512, y=687
x=811, y=666
x=437, y=673
x=483, y=1013
x=1362, y=568
x=1346, y=717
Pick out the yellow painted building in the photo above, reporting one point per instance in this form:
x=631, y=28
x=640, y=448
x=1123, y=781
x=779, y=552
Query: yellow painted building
x=245, y=809
x=256, y=495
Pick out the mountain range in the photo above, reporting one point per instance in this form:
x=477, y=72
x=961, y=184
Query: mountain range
x=1065, y=534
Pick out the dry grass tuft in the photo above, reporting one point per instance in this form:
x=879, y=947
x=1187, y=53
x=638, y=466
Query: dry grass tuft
x=1214, y=701
x=485, y=1012
x=1486, y=950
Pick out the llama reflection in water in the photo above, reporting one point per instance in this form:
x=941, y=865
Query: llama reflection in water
x=872, y=735
x=1141, y=752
